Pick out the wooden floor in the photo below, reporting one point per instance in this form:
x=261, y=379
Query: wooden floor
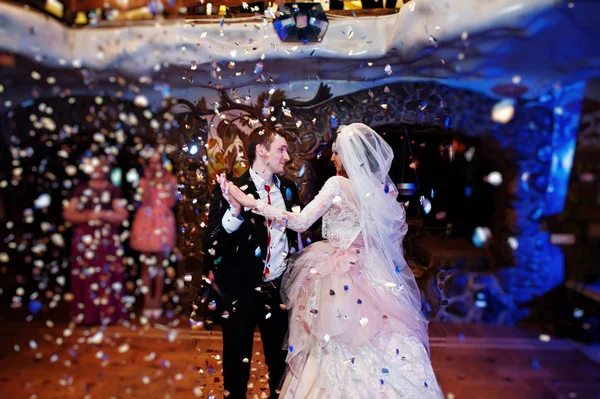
x=158, y=361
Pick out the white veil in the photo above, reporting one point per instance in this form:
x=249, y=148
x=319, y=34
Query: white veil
x=367, y=159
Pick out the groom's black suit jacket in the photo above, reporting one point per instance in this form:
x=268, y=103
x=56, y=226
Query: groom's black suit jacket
x=237, y=264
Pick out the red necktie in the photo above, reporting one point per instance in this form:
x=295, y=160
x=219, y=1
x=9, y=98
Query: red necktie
x=267, y=271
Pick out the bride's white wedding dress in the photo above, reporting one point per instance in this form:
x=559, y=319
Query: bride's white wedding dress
x=351, y=334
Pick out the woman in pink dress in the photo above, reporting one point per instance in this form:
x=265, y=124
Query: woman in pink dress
x=356, y=328
x=96, y=210
x=153, y=231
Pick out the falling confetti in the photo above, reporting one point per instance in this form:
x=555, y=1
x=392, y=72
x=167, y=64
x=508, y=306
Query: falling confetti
x=43, y=201
x=481, y=235
x=513, y=243
x=426, y=204
x=494, y=178
x=544, y=337
x=503, y=111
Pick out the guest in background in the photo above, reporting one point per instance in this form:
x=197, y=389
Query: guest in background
x=96, y=209
x=153, y=230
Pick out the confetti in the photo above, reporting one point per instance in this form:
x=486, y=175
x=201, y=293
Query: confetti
x=43, y=201
x=544, y=337
x=426, y=204
x=503, y=111
x=493, y=178
x=480, y=236
x=513, y=243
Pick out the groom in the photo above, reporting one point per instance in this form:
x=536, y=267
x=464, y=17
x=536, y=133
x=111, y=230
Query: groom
x=251, y=257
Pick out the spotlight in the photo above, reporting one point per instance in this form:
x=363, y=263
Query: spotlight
x=301, y=22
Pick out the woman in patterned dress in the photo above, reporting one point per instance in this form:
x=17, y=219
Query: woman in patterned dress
x=96, y=209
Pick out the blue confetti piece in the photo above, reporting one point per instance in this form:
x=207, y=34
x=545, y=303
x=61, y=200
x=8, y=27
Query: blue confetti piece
x=352, y=360
x=381, y=381
x=397, y=351
x=385, y=371
x=461, y=336
x=313, y=52
x=210, y=370
x=398, y=269
x=468, y=191
x=334, y=121
x=447, y=123
x=291, y=349
x=535, y=365
x=257, y=252
x=288, y=194
x=302, y=170
x=222, y=22
x=346, y=288
x=426, y=385
x=35, y=306
x=386, y=189
x=359, y=302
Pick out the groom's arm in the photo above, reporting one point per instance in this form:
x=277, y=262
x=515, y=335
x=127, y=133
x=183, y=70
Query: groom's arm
x=221, y=223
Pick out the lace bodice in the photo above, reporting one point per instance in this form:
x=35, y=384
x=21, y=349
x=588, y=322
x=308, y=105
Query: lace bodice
x=335, y=203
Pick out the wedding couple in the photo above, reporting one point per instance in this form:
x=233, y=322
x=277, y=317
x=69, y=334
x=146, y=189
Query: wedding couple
x=344, y=313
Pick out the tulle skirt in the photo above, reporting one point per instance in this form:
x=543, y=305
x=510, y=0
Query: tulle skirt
x=350, y=337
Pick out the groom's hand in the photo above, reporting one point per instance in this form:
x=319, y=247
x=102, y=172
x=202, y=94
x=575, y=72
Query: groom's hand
x=235, y=207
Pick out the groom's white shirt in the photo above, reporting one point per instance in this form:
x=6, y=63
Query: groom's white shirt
x=278, y=249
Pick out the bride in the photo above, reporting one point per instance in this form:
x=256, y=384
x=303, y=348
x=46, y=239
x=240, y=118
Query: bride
x=356, y=328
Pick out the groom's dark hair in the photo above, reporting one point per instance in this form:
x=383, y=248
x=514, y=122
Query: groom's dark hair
x=263, y=136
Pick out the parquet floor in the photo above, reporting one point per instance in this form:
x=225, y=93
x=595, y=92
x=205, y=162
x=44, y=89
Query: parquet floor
x=161, y=361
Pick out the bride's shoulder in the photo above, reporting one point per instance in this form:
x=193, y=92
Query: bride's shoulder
x=337, y=183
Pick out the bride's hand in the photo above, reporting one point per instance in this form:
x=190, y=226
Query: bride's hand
x=233, y=194
x=239, y=196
